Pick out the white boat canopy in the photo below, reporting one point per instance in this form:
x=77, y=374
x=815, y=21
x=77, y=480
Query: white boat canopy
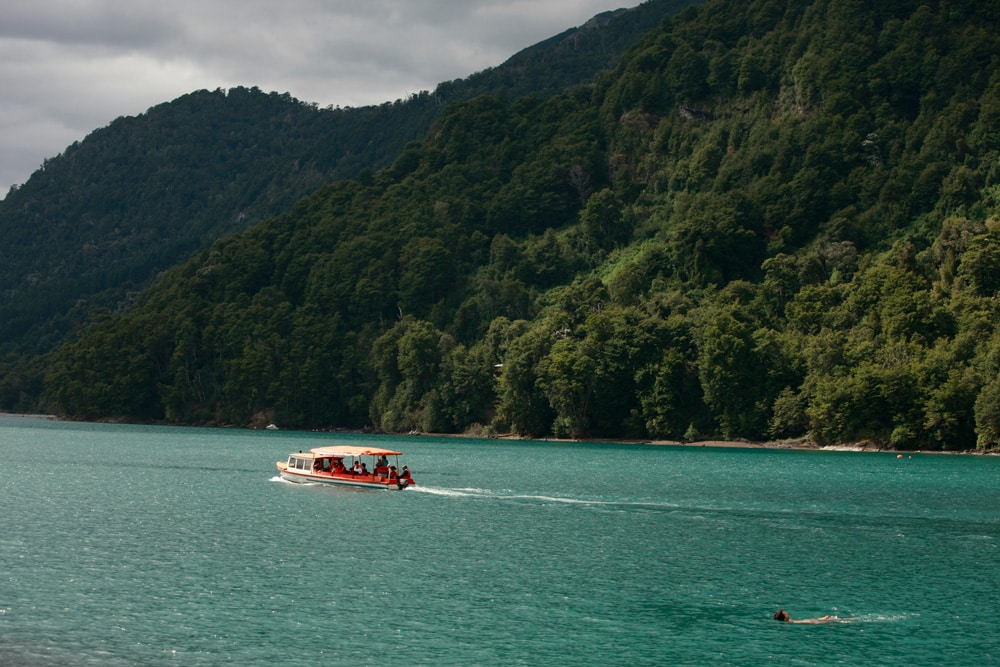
x=340, y=451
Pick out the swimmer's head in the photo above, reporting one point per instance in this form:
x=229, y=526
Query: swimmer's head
x=782, y=615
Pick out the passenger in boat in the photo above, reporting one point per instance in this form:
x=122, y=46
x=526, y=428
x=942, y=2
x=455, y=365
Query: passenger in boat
x=357, y=467
x=405, y=474
x=364, y=469
x=393, y=473
x=782, y=615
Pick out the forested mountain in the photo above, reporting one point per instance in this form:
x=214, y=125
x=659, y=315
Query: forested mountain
x=772, y=219
x=99, y=222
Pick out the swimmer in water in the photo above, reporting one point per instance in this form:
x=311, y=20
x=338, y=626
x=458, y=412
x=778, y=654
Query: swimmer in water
x=782, y=615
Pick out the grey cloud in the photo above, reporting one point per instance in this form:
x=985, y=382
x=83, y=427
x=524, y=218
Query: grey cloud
x=105, y=24
x=68, y=67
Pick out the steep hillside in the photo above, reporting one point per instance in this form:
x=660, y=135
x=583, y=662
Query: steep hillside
x=99, y=222
x=773, y=219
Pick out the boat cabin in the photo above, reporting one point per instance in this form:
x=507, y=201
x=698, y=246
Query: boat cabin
x=304, y=461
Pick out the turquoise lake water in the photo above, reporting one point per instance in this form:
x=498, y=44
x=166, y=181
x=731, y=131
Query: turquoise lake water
x=128, y=545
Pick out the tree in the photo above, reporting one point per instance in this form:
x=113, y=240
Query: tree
x=727, y=372
x=979, y=266
x=987, y=411
x=523, y=405
x=407, y=359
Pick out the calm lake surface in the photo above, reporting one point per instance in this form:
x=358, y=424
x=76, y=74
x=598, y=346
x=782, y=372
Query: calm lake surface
x=127, y=545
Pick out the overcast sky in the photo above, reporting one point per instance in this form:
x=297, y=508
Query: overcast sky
x=68, y=67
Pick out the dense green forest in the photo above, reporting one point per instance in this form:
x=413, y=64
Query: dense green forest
x=96, y=224
x=771, y=220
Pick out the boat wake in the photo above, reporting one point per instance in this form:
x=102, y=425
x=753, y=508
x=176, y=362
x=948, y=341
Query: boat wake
x=455, y=493
x=281, y=480
x=521, y=497
x=572, y=501
x=489, y=493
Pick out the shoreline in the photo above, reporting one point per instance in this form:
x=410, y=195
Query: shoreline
x=794, y=444
x=29, y=415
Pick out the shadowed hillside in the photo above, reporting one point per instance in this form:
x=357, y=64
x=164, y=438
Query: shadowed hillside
x=96, y=224
x=770, y=220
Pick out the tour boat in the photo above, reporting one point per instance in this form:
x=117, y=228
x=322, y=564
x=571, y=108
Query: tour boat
x=347, y=465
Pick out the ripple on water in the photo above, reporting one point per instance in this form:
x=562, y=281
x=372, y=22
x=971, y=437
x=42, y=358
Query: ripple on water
x=181, y=552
